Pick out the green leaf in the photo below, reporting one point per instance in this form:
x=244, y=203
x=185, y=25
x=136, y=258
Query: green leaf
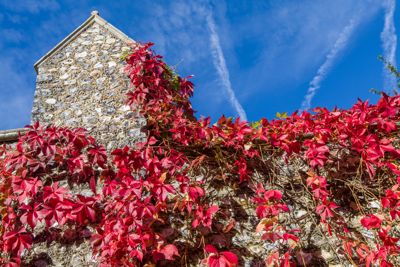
x=281, y=115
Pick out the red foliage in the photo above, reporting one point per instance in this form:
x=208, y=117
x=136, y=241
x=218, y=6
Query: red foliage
x=44, y=159
x=166, y=183
x=220, y=259
x=371, y=221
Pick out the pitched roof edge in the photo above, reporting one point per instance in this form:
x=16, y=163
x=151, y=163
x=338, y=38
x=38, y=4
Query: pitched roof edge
x=94, y=17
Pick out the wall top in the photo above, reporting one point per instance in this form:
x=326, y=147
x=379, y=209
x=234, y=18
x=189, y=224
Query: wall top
x=11, y=136
x=94, y=18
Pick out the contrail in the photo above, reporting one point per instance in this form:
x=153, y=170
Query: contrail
x=389, y=44
x=220, y=64
x=323, y=70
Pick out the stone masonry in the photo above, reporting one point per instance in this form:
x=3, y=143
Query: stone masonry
x=81, y=83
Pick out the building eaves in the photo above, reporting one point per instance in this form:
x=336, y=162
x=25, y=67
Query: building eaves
x=11, y=136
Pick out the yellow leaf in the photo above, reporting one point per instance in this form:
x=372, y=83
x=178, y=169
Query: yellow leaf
x=281, y=115
x=163, y=177
x=265, y=223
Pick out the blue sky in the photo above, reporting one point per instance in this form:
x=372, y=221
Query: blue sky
x=253, y=58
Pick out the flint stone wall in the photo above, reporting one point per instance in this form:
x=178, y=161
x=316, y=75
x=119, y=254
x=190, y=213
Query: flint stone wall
x=83, y=85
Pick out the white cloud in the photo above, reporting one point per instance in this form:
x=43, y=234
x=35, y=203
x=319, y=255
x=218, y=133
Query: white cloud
x=389, y=43
x=292, y=38
x=331, y=57
x=220, y=64
x=180, y=33
x=176, y=28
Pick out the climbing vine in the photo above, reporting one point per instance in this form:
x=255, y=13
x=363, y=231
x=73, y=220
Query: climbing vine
x=181, y=197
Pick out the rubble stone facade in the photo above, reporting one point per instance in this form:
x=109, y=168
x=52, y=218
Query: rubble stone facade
x=81, y=83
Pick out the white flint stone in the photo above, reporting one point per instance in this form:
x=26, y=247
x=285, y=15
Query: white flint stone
x=300, y=213
x=134, y=132
x=375, y=204
x=51, y=101
x=110, y=41
x=99, y=37
x=65, y=76
x=98, y=66
x=326, y=255
x=45, y=91
x=44, y=77
x=66, y=114
x=106, y=118
x=70, y=82
x=112, y=64
x=100, y=80
x=48, y=116
x=94, y=30
x=79, y=55
x=86, y=192
x=125, y=108
x=94, y=59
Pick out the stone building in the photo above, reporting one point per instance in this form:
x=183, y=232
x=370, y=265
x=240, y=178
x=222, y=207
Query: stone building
x=81, y=83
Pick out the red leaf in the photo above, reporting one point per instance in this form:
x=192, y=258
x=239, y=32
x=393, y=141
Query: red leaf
x=16, y=241
x=371, y=221
x=230, y=257
x=222, y=259
x=210, y=249
x=169, y=251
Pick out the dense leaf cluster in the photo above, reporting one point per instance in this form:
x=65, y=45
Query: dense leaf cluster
x=161, y=202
